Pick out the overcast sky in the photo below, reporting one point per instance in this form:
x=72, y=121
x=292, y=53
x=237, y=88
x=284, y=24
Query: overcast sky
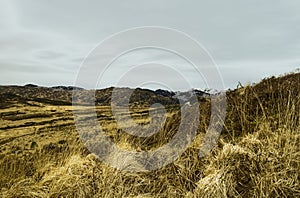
x=44, y=42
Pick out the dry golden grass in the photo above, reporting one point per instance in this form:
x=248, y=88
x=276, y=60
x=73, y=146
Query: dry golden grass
x=257, y=155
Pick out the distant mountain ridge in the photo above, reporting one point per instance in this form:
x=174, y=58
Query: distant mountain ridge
x=62, y=95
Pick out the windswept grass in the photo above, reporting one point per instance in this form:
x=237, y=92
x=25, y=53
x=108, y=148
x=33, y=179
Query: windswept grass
x=257, y=155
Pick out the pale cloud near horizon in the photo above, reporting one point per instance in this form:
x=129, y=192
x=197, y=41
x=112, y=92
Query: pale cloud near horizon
x=44, y=42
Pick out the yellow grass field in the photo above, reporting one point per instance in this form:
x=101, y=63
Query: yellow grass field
x=257, y=154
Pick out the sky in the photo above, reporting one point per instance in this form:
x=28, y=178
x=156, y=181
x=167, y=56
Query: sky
x=45, y=42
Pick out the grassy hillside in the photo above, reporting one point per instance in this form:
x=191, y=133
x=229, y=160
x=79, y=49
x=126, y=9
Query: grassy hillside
x=257, y=154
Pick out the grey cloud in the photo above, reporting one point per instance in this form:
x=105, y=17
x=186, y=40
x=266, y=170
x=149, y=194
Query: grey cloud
x=49, y=54
x=54, y=37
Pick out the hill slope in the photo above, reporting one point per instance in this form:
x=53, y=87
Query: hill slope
x=61, y=95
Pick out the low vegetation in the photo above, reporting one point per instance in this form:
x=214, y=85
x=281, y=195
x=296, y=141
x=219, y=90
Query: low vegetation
x=257, y=154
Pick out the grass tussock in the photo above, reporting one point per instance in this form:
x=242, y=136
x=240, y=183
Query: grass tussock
x=257, y=155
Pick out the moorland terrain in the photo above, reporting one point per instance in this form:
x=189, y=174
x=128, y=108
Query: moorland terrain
x=257, y=154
